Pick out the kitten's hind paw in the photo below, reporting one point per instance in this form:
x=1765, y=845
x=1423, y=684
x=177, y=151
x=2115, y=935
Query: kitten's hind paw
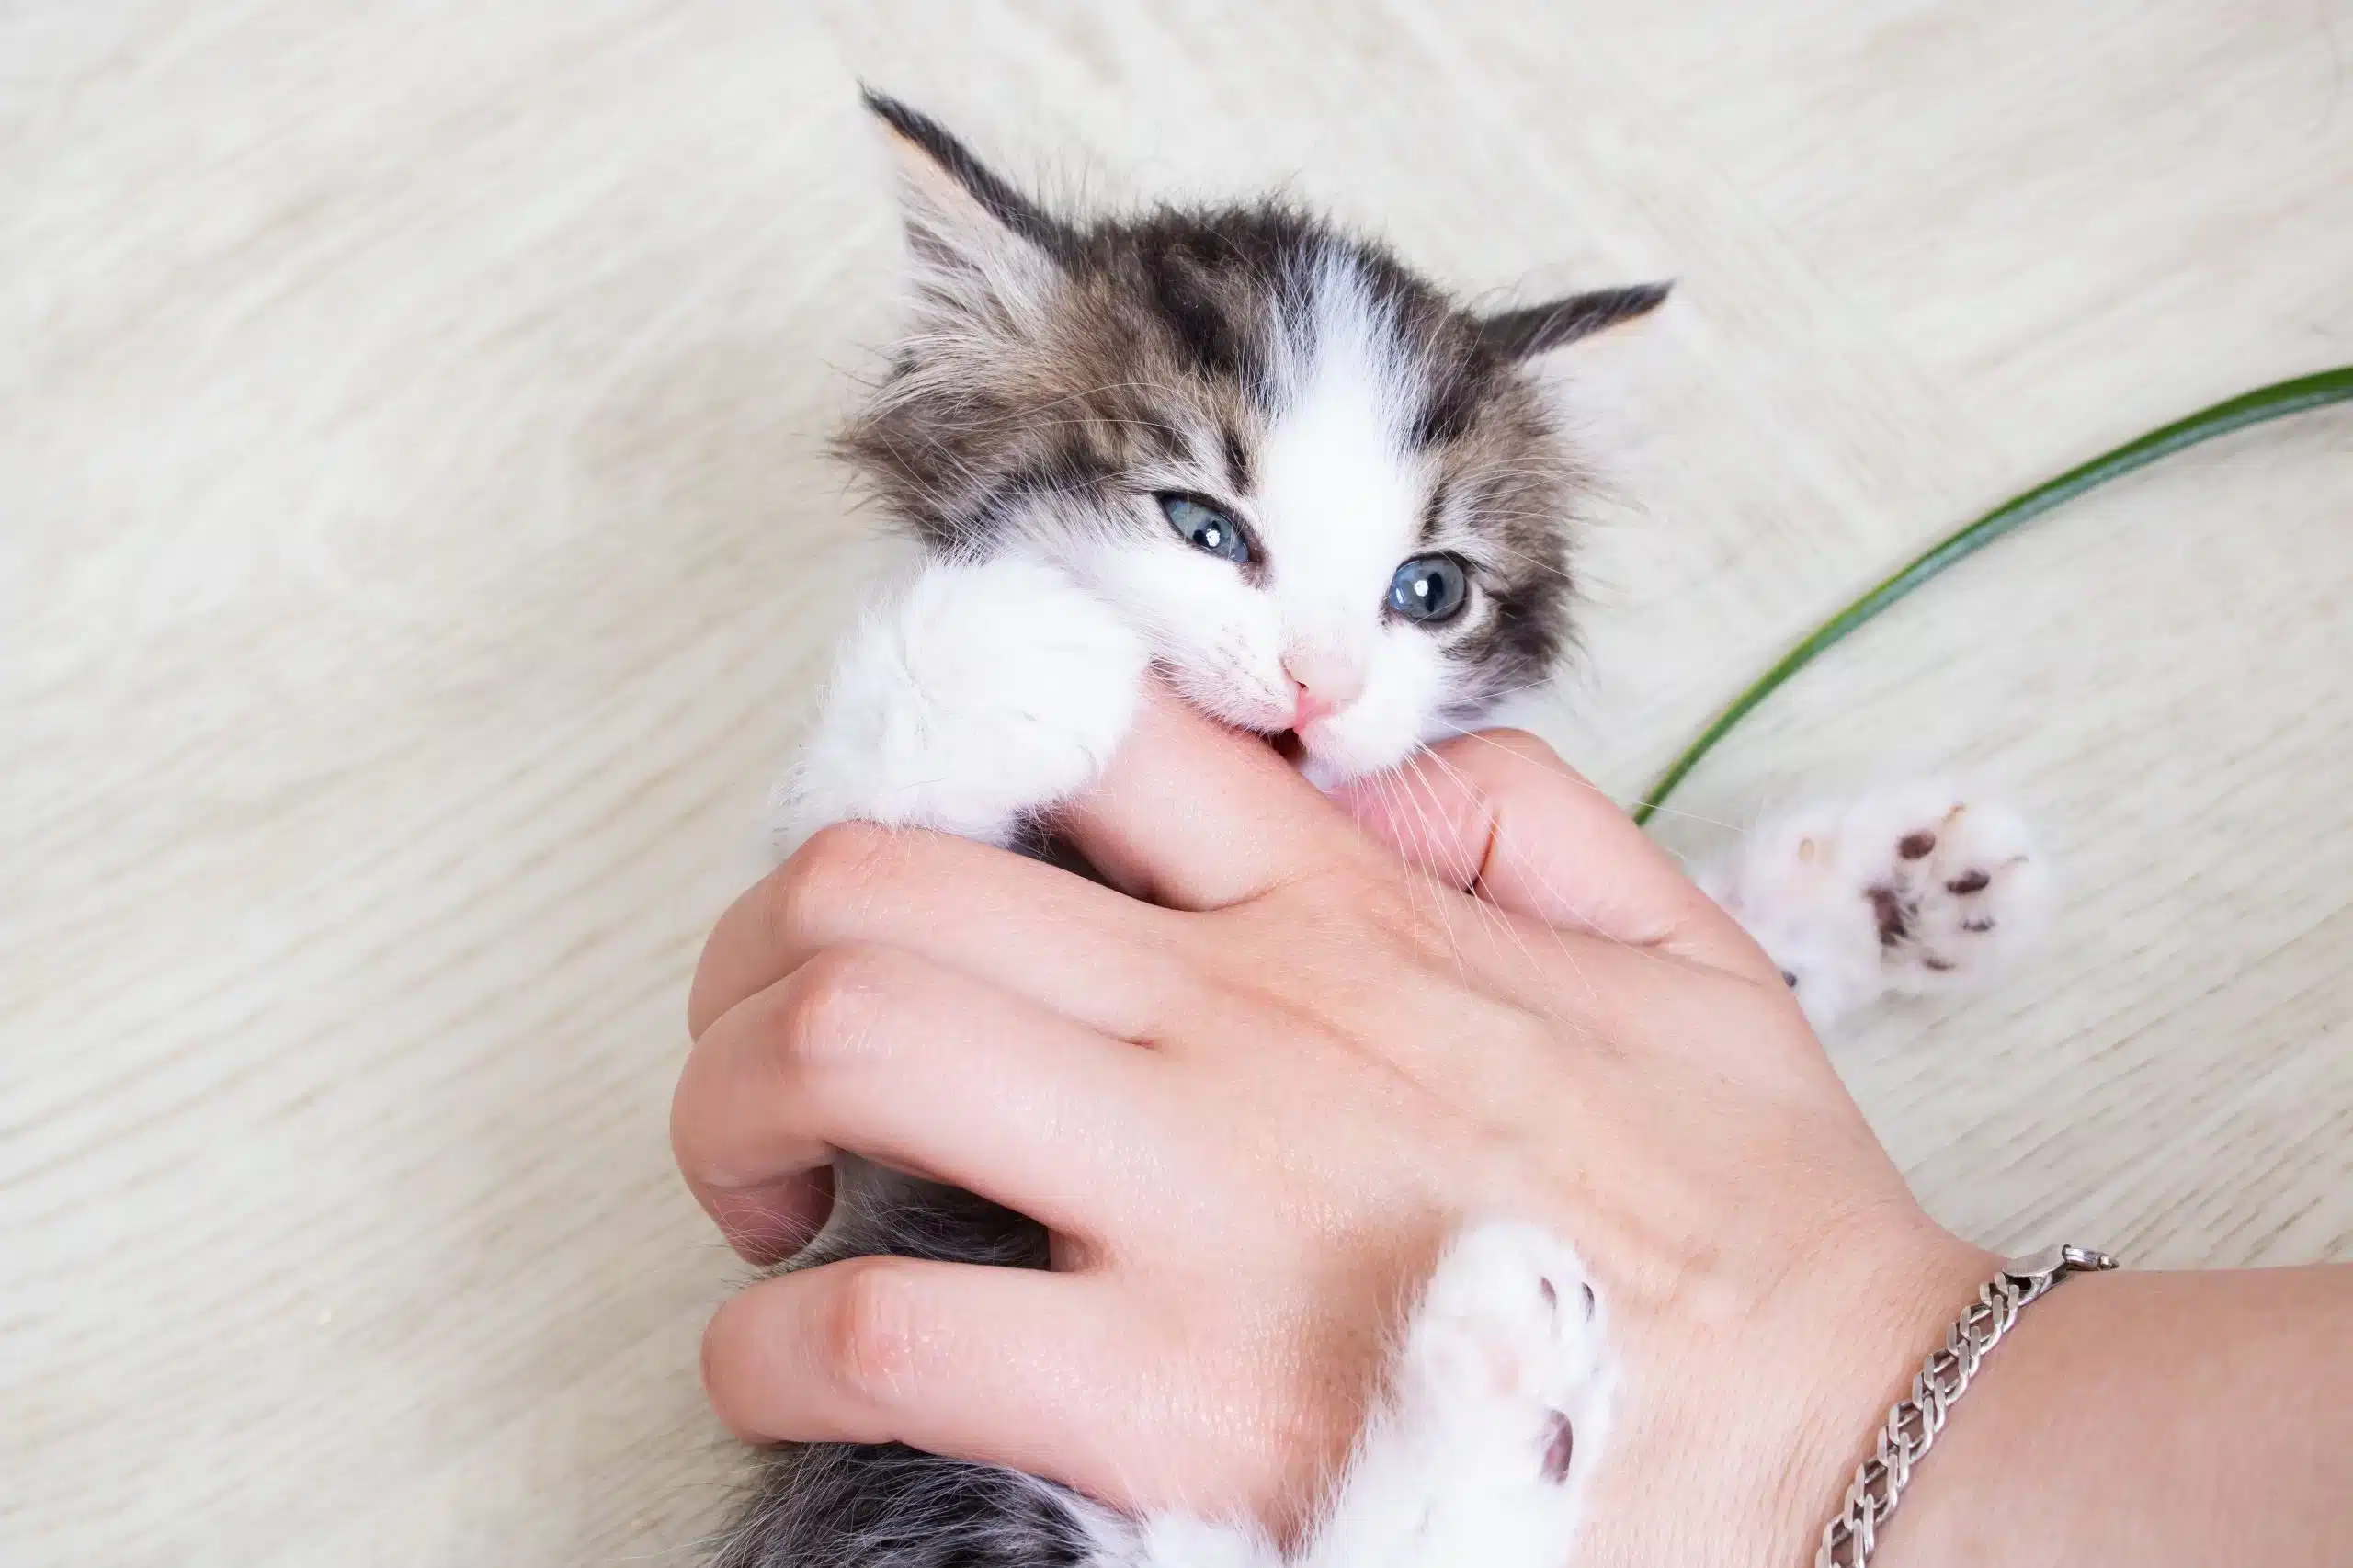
x=1905, y=891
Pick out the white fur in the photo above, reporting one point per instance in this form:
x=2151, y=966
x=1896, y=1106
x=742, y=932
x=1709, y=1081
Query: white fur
x=1339, y=499
x=1802, y=883
x=1451, y=1472
x=977, y=694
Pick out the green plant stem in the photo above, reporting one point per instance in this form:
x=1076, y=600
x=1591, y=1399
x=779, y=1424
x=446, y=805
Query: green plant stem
x=2279, y=399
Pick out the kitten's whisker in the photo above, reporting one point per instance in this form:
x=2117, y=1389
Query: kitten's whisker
x=1395, y=786
x=1528, y=869
x=1383, y=790
x=1488, y=911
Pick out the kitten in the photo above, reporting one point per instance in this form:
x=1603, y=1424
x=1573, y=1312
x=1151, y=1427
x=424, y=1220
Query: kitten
x=1259, y=456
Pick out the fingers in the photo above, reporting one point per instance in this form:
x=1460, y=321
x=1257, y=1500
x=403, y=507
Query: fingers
x=1043, y=932
x=885, y=1054
x=1500, y=814
x=998, y=1364
x=1190, y=815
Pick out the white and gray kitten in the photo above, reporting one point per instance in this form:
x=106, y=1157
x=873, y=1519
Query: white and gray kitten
x=1257, y=456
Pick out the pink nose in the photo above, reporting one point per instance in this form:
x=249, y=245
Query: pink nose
x=1321, y=688
x=1310, y=706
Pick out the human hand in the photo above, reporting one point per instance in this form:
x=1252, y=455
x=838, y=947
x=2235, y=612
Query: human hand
x=1252, y=1092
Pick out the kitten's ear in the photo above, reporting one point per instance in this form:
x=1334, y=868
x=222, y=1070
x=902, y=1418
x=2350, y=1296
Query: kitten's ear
x=969, y=232
x=1533, y=329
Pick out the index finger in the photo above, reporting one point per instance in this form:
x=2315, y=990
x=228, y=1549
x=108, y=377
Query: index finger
x=1018, y=923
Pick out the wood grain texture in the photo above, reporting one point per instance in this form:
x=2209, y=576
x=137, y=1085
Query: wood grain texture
x=415, y=556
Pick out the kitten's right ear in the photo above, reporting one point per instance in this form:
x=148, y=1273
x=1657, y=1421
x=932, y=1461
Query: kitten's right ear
x=1534, y=329
x=967, y=228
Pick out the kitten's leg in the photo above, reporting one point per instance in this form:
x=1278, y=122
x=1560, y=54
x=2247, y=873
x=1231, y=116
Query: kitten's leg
x=1903, y=891
x=978, y=695
x=1497, y=1412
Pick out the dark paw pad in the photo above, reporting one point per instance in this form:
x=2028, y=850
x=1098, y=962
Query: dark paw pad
x=1892, y=912
x=1559, y=1447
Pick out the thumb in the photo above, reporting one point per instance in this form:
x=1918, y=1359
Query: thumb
x=1500, y=815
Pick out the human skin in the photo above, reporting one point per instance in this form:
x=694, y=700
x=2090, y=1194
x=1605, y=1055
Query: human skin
x=1253, y=1085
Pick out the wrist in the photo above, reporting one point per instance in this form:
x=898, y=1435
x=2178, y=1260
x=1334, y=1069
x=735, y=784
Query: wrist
x=1759, y=1454
x=2150, y=1418
x=1947, y=1374
x=1872, y=1325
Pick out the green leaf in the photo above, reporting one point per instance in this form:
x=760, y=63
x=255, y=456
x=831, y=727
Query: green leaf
x=2273, y=401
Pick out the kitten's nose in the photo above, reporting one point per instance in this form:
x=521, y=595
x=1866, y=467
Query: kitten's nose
x=1322, y=685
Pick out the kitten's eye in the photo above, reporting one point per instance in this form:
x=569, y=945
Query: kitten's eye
x=1429, y=588
x=1206, y=528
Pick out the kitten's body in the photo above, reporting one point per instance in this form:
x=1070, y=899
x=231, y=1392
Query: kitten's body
x=1263, y=460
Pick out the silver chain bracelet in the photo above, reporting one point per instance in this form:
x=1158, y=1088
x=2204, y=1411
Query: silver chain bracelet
x=1914, y=1421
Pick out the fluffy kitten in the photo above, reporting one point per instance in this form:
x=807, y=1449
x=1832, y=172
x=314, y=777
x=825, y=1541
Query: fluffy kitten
x=1257, y=456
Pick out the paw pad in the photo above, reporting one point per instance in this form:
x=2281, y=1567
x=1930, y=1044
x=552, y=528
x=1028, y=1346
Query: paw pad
x=1905, y=891
x=1559, y=1447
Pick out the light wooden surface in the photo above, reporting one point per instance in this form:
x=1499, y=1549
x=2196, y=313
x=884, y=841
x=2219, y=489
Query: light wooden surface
x=414, y=553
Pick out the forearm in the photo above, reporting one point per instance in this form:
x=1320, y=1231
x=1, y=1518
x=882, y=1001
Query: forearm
x=2153, y=1419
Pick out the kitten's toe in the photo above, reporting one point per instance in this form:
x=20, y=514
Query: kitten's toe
x=1981, y=899
x=1789, y=883
x=1509, y=1338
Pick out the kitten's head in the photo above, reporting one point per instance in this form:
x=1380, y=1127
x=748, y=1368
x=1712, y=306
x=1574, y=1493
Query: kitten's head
x=1336, y=502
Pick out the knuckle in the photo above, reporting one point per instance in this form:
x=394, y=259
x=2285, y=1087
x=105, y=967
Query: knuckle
x=868, y=1337
x=838, y=867
x=1405, y=921
x=833, y=1004
x=1393, y=908
x=1356, y=919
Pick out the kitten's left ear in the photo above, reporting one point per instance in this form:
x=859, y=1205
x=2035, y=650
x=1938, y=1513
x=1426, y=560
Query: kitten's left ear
x=1533, y=329
x=973, y=236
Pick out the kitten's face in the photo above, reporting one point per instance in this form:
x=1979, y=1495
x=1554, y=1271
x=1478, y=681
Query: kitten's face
x=1334, y=503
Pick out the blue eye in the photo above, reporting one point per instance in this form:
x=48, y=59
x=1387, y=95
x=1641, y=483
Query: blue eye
x=1206, y=528
x=1429, y=588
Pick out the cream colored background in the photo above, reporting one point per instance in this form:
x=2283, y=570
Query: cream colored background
x=417, y=558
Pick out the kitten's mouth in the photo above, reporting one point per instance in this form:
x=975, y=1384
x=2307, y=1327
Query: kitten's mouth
x=1314, y=769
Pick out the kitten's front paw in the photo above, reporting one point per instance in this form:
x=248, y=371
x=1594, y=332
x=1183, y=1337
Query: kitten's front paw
x=1506, y=1351
x=980, y=695
x=1909, y=890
